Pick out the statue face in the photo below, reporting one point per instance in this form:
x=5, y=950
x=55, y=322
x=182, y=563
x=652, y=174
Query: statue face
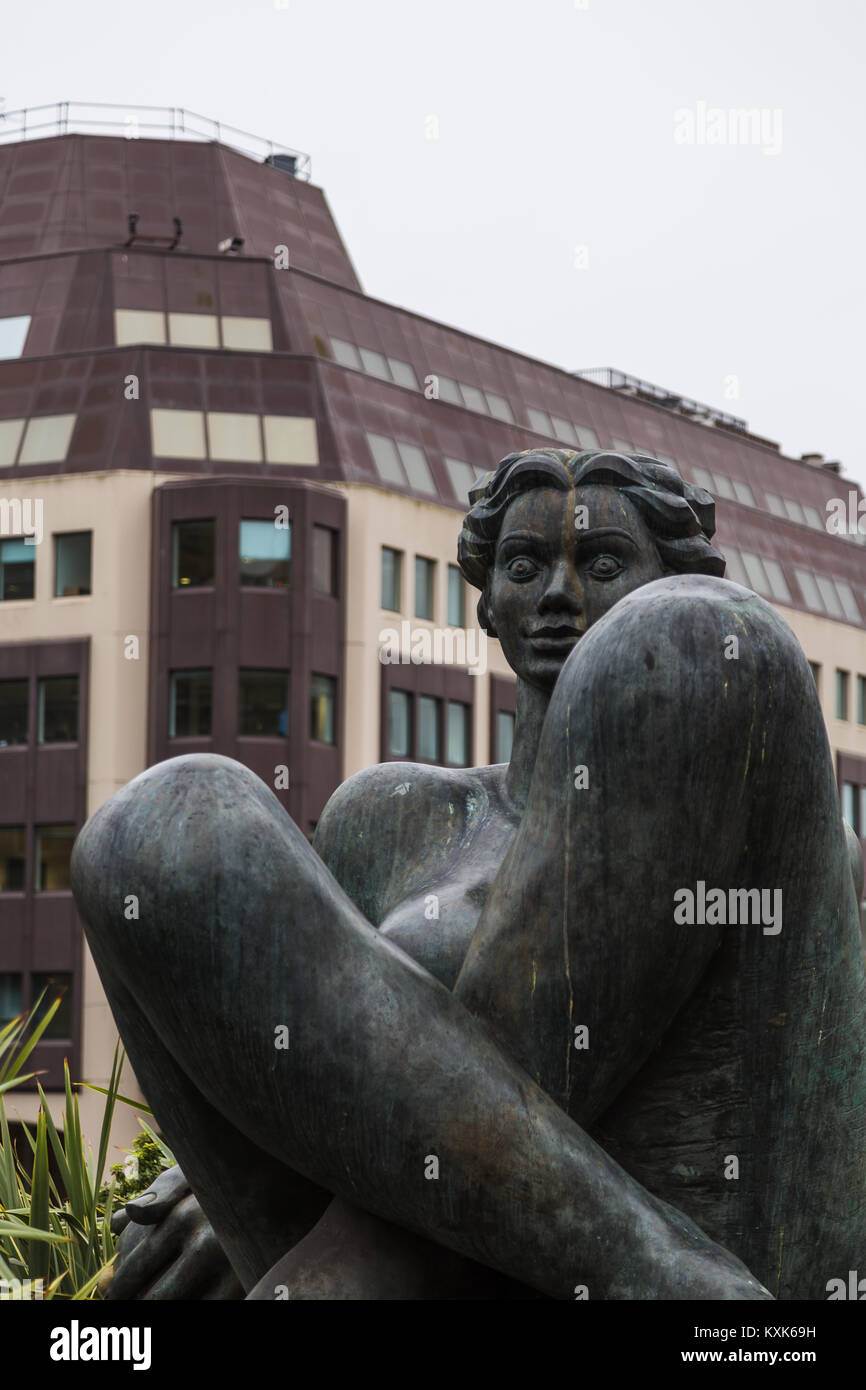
x=556, y=573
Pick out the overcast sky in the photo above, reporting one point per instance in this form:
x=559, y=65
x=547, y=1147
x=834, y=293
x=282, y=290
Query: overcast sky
x=561, y=176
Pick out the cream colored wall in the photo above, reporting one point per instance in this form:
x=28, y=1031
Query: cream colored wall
x=376, y=518
x=116, y=507
x=831, y=644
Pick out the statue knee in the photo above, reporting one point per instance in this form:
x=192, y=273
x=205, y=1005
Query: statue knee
x=704, y=649
x=173, y=814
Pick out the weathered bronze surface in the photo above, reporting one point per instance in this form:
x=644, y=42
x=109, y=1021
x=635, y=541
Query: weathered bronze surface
x=627, y=1094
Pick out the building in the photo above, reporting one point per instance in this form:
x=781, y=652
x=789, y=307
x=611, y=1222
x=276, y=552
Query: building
x=227, y=472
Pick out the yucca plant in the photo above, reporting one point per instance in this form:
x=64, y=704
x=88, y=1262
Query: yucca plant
x=57, y=1233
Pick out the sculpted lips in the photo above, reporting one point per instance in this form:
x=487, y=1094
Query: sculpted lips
x=555, y=637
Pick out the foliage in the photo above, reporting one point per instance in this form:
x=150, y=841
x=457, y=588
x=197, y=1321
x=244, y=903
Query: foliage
x=147, y=1158
x=54, y=1229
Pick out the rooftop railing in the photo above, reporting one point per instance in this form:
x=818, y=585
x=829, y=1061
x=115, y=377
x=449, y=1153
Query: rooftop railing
x=145, y=122
x=632, y=386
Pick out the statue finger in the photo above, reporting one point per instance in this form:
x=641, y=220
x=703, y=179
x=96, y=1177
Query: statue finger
x=152, y=1205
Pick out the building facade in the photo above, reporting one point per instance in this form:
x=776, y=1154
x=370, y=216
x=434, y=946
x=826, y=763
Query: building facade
x=231, y=484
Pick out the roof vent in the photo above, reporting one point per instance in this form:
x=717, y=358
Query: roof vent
x=817, y=459
x=286, y=163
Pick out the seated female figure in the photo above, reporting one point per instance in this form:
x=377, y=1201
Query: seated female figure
x=624, y=1056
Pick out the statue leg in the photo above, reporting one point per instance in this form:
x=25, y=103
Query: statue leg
x=243, y=941
x=684, y=746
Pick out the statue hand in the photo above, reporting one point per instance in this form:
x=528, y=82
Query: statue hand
x=167, y=1248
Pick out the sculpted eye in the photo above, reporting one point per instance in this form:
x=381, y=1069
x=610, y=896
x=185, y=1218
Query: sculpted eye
x=521, y=567
x=605, y=567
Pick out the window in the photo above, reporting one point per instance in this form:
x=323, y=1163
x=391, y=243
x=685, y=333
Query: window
x=346, y=353
x=428, y=728
x=324, y=560
x=375, y=364
x=703, y=478
x=815, y=668
x=829, y=597
x=46, y=439
x=57, y=710
x=399, y=724
x=775, y=503
x=13, y=332
x=323, y=701
x=291, y=439
x=417, y=471
x=734, y=567
x=564, y=430
x=755, y=571
x=473, y=399
x=234, y=438
x=178, y=434
x=539, y=420
x=847, y=600
x=13, y=712
x=72, y=563
x=265, y=554
x=391, y=565
x=59, y=983
x=189, y=714
x=425, y=571
x=12, y=858
x=457, y=729
x=246, y=334
x=778, y=583
x=193, y=330
x=17, y=569
x=449, y=390
x=404, y=465
x=743, y=493
x=586, y=438
x=386, y=459
x=402, y=373
x=462, y=477
x=504, y=735
x=499, y=407
x=849, y=804
x=622, y=446
x=841, y=694
x=861, y=699
x=263, y=704
x=10, y=996
x=10, y=437
x=724, y=486
x=53, y=850
x=812, y=518
x=456, y=605
x=138, y=326
x=794, y=511
x=192, y=554
x=809, y=590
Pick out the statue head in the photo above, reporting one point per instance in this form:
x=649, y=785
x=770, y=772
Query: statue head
x=554, y=538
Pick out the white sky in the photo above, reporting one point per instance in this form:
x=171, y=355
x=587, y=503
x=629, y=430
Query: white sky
x=555, y=131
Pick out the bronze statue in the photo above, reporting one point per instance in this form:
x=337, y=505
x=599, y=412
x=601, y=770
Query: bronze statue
x=626, y=1059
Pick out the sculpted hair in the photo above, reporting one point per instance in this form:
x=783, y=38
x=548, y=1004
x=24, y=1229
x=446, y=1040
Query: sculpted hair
x=681, y=518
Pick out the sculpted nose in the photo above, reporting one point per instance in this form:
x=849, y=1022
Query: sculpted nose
x=563, y=590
